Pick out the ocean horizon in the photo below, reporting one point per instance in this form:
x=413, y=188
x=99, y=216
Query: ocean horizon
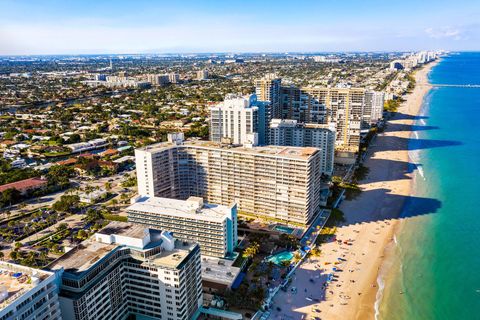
x=432, y=270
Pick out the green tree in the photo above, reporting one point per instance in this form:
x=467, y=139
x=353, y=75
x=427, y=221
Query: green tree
x=67, y=203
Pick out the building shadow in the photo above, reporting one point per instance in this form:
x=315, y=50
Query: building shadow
x=404, y=116
x=382, y=205
x=310, y=291
x=394, y=143
x=398, y=127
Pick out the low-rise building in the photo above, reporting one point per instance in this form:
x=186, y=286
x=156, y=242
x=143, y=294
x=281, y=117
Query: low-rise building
x=25, y=186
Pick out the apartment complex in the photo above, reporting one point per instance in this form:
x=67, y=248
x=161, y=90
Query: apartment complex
x=292, y=133
x=349, y=109
x=274, y=182
x=213, y=227
x=128, y=270
x=27, y=293
x=268, y=89
x=242, y=119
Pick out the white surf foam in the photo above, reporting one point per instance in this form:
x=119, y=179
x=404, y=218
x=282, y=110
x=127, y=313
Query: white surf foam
x=379, y=296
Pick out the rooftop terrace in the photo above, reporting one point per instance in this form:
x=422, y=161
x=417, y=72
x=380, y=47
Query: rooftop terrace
x=16, y=280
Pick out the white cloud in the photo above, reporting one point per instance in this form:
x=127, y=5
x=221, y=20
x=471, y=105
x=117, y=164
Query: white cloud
x=444, y=32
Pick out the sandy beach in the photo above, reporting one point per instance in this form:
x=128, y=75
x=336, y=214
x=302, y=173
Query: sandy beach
x=371, y=222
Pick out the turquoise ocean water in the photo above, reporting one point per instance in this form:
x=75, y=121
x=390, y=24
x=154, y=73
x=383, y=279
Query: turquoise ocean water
x=435, y=270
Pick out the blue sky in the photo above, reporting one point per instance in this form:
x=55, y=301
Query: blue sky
x=140, y=26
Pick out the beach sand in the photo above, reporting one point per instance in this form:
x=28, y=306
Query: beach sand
x=374, y=213
x=371, y=221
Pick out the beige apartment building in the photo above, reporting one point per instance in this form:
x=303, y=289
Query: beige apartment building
x=276, y=182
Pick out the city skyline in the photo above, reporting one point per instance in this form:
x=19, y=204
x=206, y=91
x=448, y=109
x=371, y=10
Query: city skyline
x=146, y=27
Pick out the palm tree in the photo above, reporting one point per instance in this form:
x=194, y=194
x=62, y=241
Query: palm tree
x=2, y=255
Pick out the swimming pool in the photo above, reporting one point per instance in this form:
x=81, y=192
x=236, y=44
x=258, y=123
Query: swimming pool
x=284, y=229
x=280, y=257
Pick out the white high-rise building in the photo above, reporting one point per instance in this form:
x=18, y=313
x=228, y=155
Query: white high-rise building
x=373, y=112
x=129, y=270
x=212, y=226
x=292, y=133
x=282, y=183
x=239, y=118
x=27, y=293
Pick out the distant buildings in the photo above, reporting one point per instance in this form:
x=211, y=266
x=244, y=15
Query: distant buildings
x=213, y=227
x=292, y=133
x=158, y=79
x=202, y=74
x=174, y=77
x=120, y=81
x=130, y=271
x=242, y=119
x=396, y=65
x=282, y=183
x=86, y=146
x=27, y=293
x=163, y=79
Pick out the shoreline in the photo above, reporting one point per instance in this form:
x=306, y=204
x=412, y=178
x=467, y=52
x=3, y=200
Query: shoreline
x=373, y=218
x=413, y=106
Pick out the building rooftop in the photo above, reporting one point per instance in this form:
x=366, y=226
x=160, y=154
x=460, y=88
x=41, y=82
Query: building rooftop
x=192, y=208
x=24, y=184
x=171, y=259
x=83, y=256
x=219, y=270
x=125, y=229
x=16, y=280
x=119, y=235
x=277, y=151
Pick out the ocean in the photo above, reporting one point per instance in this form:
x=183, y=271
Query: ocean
x=434, y=272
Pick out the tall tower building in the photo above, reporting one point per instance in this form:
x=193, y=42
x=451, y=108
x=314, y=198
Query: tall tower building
x=321, y=136
x=239, y=118
x=373, y=112
x=268, y=89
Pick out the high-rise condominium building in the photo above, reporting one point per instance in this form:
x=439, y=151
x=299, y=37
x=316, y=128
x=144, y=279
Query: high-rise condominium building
x=342, y=106
x=239, y=118
x=174, y=77
x=27, y=293
x=292, y=133
x=213, y=227
x=158, y=79
x=270, y=182
x=127, y=270
x=373, y=112
x=202, y=74
x=268, y=89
